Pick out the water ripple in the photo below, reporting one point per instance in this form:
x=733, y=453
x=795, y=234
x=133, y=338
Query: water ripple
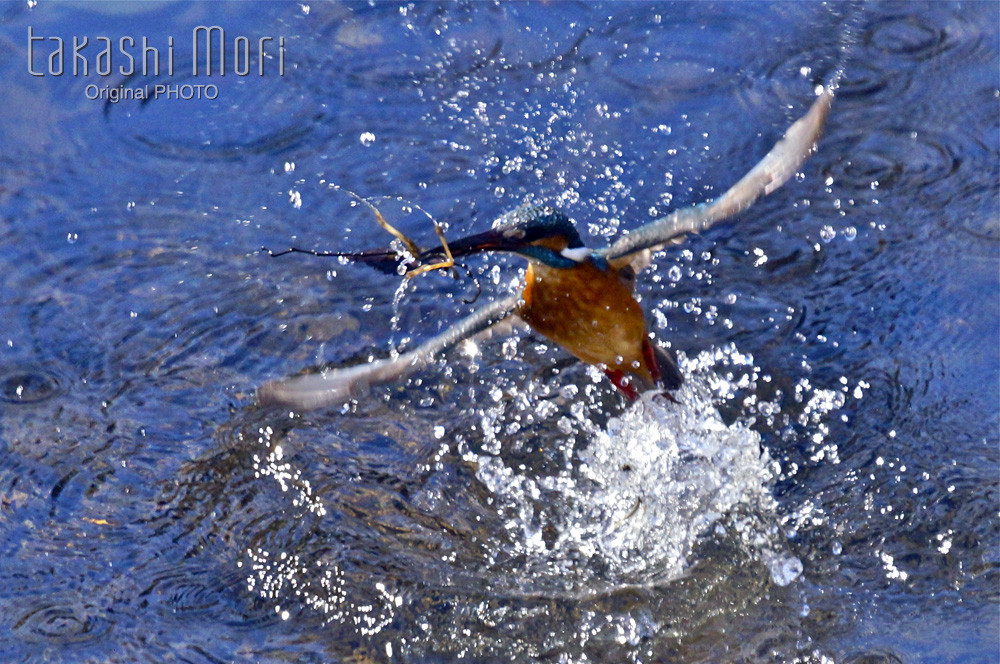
x=28, y=385
x=62, y=620
x=899, y=159
x=286, y=117
x=909, y=35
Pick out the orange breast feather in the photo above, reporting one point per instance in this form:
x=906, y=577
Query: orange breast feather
x=589, y=311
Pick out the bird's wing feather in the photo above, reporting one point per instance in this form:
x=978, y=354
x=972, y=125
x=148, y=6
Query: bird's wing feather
x=770, y=173
x=334, y=386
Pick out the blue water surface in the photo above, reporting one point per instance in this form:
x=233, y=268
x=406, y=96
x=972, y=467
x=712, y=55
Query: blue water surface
x=150, y=512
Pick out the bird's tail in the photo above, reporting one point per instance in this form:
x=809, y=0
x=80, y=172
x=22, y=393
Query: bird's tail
x=662, y=365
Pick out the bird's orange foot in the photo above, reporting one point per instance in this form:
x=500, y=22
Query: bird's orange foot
x=623, y=383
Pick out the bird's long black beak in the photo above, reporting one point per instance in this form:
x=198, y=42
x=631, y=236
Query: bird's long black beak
x=381, y=259
x=491, y=240
x=388, y=261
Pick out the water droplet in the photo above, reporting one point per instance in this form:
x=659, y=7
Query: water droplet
x=785, y=570
x=367, y=138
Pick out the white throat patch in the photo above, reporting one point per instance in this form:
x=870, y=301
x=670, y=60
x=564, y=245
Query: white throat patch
x=577, y=255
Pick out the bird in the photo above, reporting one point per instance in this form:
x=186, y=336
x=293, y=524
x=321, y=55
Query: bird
x=578, y=297
x=575, y=297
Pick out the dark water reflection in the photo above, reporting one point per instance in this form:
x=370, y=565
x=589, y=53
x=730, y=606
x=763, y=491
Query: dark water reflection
x=503, y=505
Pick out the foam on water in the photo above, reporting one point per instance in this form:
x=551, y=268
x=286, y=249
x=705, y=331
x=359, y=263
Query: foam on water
x=592, y=506
x=628, y=508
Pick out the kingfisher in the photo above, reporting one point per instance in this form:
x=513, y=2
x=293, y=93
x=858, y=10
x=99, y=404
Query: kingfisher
x=580, y=298
x=575, y=296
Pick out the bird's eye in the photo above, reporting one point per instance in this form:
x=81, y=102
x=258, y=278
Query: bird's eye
x=627, y=274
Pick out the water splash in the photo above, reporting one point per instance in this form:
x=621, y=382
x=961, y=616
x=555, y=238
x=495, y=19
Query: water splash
x=291, y=578
x=568, y=503
x=630, y=506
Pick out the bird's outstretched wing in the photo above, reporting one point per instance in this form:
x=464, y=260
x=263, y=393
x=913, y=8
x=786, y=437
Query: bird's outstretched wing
x=334, y=386
x=770, y=173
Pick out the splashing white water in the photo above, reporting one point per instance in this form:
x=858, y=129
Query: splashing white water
x=625, y=504
x=631, y=506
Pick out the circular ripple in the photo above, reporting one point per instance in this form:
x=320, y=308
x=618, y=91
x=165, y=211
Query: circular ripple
x=874, y=657
x=285, y=116
x=866, y=79
x=943, y=32
x=788, y=79
x=380, y=52
x=906, y=35
x=677, y=73
x=26, y=385
x=61, y=623
x=184, y=592
x=678, y=65
x=899, y=158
